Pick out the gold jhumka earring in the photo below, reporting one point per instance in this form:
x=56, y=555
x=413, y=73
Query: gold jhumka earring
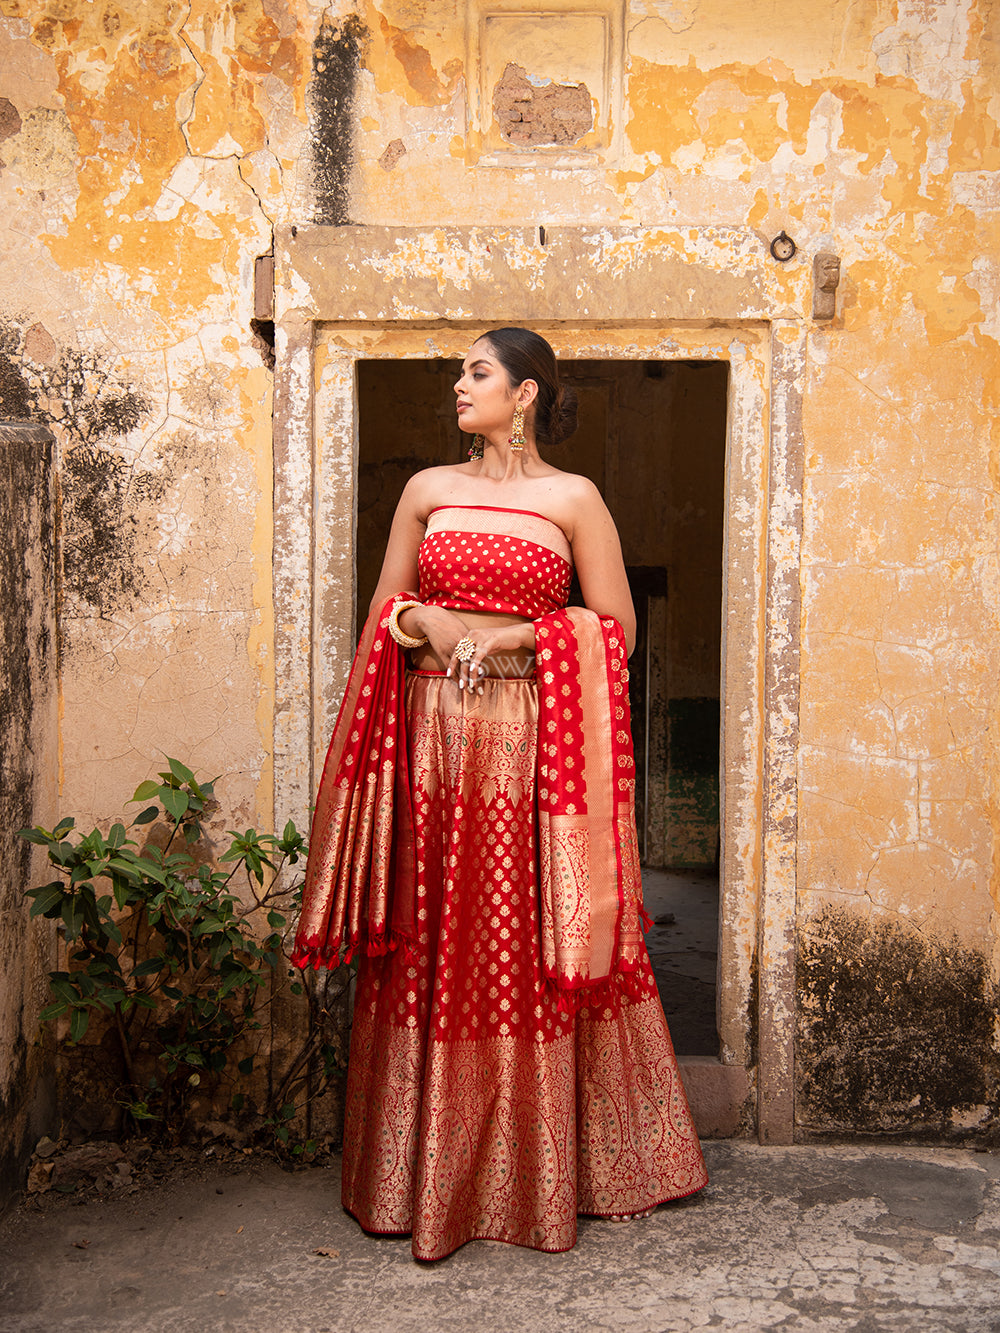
x=476, y=448
x=516, y=440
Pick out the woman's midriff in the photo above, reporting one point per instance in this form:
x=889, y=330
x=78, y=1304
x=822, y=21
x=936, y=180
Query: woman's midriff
x=515, y=663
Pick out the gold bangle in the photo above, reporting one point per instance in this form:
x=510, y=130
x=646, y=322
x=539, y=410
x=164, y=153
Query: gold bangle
x=402, y=638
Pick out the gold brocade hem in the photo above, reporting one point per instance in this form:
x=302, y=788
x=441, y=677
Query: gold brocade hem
x=510, y=1139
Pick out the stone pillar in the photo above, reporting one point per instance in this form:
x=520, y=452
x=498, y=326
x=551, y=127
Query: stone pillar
x=28, y=787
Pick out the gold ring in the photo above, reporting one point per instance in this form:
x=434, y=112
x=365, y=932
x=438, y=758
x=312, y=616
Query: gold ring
x=465, y=649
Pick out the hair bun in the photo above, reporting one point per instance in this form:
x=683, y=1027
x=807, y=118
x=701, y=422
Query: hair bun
x=563, y=420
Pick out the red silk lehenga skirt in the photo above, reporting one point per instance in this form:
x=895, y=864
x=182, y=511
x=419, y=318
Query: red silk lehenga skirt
x=478, y=1106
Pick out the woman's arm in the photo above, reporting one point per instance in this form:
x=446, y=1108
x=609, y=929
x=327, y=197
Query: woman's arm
x=597, y=555
x=399, y=568
x=400, y=573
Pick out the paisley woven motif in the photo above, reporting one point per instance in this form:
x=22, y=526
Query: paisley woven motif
x=476, y=1106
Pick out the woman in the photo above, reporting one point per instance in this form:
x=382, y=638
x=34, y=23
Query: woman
x=474, y=840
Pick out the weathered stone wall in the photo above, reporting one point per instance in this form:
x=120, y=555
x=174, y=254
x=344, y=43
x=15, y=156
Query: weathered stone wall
x=144, y=150
x=151, y=153
x=28, y=761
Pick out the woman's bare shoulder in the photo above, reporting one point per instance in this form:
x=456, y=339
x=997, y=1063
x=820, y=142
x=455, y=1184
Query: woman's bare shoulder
x=433, y=486
x=572, y=498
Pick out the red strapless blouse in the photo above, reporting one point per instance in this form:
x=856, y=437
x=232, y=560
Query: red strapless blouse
x=479, y=558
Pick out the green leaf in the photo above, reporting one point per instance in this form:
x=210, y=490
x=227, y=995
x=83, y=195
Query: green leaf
x=147, y=816
x=209, y=926
x=180, y=771
x=63, y=826
x=145, y=790
x=64, y=988
x=119, y=865
x=138, y=868
x=192, y=832
x=53, y=1011
x=144, y=1001
x=246, y=1066
x=296, y=988
x=45, y=898
x=231, y=983
x=93, y=843
x=147, y=968
x=174, y=802
x=116, y=838
x=275, y=920
x=72, y=915
x=78, y=1024
x=36, y=835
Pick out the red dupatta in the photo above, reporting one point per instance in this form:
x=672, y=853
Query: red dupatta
x=360, y=881
x=360, y=875
x=589, y=877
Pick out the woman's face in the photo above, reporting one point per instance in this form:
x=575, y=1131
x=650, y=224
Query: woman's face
x=485, y=396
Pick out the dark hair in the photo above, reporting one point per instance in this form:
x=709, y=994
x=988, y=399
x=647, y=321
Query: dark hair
x=525, y=355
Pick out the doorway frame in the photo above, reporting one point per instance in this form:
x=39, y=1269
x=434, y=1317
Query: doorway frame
x=351, y=293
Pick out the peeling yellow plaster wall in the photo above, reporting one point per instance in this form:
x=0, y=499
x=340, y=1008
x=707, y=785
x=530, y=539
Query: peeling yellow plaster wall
x=157, y=144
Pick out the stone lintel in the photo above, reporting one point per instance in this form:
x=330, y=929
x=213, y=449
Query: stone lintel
x=581, y=274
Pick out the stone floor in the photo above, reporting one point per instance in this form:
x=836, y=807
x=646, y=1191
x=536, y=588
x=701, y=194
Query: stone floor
x=804, y=1239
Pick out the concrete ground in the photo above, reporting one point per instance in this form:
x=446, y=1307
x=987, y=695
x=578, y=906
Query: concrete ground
x=804, y=1238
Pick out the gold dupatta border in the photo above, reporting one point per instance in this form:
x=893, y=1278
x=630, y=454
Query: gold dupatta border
x=360, y=877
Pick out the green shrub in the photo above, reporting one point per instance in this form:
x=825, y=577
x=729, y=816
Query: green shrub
x=179, y=964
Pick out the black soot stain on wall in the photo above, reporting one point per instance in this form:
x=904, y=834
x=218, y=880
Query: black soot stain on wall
x=103, y=493
x=336, y=60
x=895, y=1029
x=27, y=694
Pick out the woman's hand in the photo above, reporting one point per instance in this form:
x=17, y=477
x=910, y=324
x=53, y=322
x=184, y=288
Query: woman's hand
x=441, y=628
x=445, y=630
x=489, y=641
